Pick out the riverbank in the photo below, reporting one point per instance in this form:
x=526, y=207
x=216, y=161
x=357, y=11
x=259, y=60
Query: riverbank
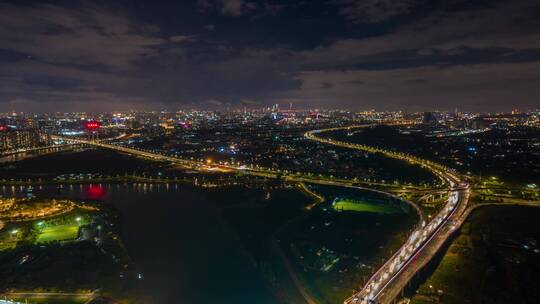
x=36, y=254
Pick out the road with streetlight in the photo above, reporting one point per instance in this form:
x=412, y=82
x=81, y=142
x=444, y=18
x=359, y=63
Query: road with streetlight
x=386, y=283
x=248, y=169
x=423, y=243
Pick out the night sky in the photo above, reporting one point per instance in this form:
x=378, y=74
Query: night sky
x=212, y=54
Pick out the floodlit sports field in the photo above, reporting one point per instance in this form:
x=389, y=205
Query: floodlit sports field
x=59, y=233
x=362, y=206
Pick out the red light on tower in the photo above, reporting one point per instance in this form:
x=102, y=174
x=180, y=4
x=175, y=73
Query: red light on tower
x=92, y=128
x=92, y=125
x=3, y=128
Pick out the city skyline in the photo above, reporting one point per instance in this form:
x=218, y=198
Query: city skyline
x=212, y=54
x=325, y=207
x=269, y=151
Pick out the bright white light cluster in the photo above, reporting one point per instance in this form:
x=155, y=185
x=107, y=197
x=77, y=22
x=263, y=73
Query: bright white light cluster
x=404, y=255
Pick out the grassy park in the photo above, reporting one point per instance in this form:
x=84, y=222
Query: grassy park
x=495, y=259
x=345, y=204
x=36, y=255
x=50, y=299
x=61, y=228
x=334, y=247
x=61, y=232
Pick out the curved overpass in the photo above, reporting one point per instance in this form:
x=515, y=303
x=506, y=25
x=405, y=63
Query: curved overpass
x=388, y=281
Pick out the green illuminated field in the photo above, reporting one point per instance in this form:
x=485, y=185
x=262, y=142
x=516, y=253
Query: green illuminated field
x=59, y=233
x=361, y=206
x=51, y=299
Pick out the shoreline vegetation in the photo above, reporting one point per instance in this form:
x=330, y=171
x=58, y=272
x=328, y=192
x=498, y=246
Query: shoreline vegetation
x=493, y=259
x=83, y=239
x=319, y=252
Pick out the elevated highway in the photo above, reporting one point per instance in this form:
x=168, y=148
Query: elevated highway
x=255, y=171
x=388, y=281
x=423, y=243
x=261, y=172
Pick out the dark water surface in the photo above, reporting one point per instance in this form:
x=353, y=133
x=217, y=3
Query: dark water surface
x=185, y=252
x=191, y=245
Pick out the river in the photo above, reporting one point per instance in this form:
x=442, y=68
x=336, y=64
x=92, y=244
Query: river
x=188, y=252
x=185, y=252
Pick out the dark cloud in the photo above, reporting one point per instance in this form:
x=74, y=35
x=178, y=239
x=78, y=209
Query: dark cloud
x=465, y=43
x=442, y=31
x=416, y=81
x=356, y=54
x=477, y=87
x=180, y=38
x=327, y=85
x=84, y=35
x=227, y=7
x=374, y=11
x=273, y=9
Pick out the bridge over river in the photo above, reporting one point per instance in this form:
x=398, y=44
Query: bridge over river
x=421, y=246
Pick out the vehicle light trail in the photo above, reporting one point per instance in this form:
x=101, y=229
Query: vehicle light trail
x=392, y=271
x=422, y=237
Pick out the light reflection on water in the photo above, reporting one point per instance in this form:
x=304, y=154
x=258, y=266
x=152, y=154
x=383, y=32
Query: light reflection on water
x=13, y=157
x=183, y=248
x=177, y=238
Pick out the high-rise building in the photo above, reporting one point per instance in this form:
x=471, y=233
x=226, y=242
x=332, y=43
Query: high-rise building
x=11, y=139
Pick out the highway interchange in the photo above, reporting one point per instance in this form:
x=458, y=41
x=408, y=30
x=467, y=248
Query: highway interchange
x=387, y=282
x=423, y=243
